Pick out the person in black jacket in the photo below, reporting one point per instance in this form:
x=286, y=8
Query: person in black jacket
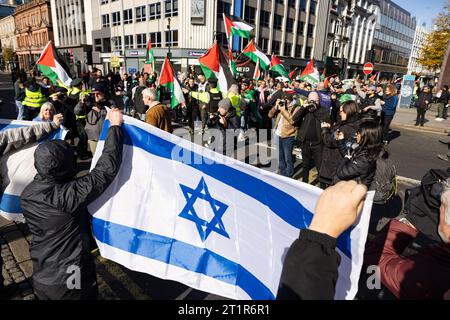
x=310, y=269
x=349, y=124
x=309, y=120
x=54, y=206
x=272, y=100
x=360, y=158
x=422, y=103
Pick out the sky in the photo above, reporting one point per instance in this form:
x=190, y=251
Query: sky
x=423, y=10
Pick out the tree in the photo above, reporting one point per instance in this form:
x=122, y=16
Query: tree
x=8, y=54
x=433, y=50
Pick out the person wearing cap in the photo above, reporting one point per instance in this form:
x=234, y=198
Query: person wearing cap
x=286, y=131
x=225, y=119
x=75, y=90
x=96, y=116
x=203, y=97
x=34, y=99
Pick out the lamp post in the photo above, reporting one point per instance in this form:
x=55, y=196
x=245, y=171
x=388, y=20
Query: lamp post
x=29, y=32
x=169, y=56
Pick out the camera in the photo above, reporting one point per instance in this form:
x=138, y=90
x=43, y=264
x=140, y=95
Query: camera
x=312, y=106
x=281, y=103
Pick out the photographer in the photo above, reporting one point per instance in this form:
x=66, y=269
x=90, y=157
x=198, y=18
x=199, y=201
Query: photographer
x=96, y=116
x=424, y=275
x=309, y=120
x=224, y=119
x=360, y=156
x=284, y=111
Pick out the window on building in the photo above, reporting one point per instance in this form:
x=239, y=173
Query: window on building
x=287, y=49
x=298, y=51
x=106, y=45
x=308, y=52
x=291, y=3
x=103, y=2
x=310, y=30
x=172, y=38
x=141, y=40
x=290, y=25
x=300, y=28
x=264, y=44
x=278, y=22
x=265, y=18
x=313, y=7
x=155, y=11
x=250, y=14
x=223, y=7
x=171, y=9
x=276, y=47
x=141, y=14
x=127, y=16
x=115, y=18
x=303, y=5
x=156, y=39
x=129, y=42
x=98, y=45
x=222, y=39
x=105, y=20
x=116, y=43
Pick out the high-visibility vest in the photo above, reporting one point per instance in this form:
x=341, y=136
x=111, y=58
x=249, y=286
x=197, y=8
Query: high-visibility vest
x=235, y=102
x=34, y=99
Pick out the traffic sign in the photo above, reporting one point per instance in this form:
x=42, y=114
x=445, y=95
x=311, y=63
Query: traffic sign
x=368, y=68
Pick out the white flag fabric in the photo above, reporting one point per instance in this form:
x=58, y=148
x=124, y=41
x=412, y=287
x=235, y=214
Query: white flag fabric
x=17, y=171
x=182, y=212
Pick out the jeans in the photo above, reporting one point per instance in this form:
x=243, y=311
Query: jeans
x=19, y=110
x=312, y=156
x=420, y=116
x=285, y=161
x=126, y=104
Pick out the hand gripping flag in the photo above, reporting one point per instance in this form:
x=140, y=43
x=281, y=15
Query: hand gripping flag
x=17, y=171
x=182, y=212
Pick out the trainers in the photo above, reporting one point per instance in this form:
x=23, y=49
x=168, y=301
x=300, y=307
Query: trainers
x=443, y=157
x=299, y=156
x=439, y=119
x=201, y=132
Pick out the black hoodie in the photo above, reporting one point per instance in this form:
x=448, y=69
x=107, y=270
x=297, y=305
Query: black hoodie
x=54, y=206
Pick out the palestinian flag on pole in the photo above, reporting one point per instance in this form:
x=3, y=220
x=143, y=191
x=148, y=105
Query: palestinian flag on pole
x=257, y=74
x=170, y=82
x=277, y=67
x=150, y=55
x=232, y=63
x=53, y=66
x=372, y=78
x=323, y=76
x=310, y=74
x=215, y=64
x=237, y=28
x=255, y=54
x=292, y=74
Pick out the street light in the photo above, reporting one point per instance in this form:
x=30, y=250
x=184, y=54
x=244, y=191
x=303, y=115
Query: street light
x=170, y=37
x=29, y=32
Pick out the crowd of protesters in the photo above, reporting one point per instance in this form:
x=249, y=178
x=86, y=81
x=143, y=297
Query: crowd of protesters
x=341, y=128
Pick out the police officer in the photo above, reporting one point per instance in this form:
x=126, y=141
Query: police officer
x=34, y=99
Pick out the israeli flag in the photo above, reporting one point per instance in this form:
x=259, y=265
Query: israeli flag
x=17, y=170
x=182, y=212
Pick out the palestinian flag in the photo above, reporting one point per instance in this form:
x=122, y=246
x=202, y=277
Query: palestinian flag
x=232, y=63
x=255, y=54
x=372, y=78
x=257, y=74
x=170, y=82
x=237, y=28
x=53, y=66
x=323, y=76
x=277, y=67
x=310, y=74
x=215, y=65
x=150, y=55
x=292, y=74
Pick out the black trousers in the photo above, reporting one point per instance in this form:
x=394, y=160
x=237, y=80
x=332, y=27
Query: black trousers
x=421, y=116
x=30, y=113
x=312, y=157
x=386, y=125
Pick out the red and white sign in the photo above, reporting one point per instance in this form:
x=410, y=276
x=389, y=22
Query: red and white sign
x=368, y=68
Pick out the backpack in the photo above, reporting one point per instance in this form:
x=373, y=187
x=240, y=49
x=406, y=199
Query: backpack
x=384, y=183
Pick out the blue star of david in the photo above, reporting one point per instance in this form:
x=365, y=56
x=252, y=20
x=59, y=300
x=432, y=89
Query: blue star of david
x=204, y=227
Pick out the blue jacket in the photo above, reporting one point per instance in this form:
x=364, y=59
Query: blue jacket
x=390, y=105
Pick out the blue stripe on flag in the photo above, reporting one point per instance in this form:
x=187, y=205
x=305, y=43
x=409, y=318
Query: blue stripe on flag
x=281, y=203
x=7, y=126
x=10, y=204
x=180, y=254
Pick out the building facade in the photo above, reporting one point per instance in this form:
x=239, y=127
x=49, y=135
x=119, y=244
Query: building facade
x=419, y=39
x=392, y=43
x=33, y=31
x=70, y=26
x=7, y=43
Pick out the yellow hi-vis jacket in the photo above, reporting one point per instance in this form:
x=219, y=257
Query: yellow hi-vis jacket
x=235, y=102
x=34, y=99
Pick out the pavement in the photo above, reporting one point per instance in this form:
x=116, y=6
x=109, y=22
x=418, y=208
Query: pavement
x=406, y=118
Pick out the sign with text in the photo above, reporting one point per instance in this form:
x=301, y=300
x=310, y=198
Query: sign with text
x=407, y=91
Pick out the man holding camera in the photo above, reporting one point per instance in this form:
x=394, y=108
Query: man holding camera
x=284, y=110
x=225, y=118
x=309, y=120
